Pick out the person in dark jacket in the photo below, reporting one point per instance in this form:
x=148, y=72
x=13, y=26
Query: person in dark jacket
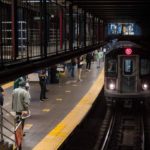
x=73, y=64
x=89, y=58
x=42, y=81
x=1, y=96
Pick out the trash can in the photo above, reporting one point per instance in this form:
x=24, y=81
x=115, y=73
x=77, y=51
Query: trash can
x=54, y=75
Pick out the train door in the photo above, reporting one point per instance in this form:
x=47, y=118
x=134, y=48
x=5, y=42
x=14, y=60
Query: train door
x=128, y=73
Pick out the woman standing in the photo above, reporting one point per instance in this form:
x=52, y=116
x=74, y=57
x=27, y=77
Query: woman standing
x=80, y=65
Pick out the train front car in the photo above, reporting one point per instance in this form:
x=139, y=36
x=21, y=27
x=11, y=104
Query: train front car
x=127, y=73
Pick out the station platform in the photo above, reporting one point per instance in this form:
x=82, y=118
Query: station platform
x=68, y=102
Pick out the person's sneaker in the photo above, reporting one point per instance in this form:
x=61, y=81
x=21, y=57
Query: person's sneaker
x=45, y=98
x=41, y=100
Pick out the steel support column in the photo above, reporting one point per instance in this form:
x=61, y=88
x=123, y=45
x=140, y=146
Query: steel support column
x=57, y=26
x=98, y=38
x=14, y=27
x=61, y=27
x=27, y=20
x=93, y=21
x=41, y=29
x=71, y=27
x=1, y=49
x=65, y=27
x=84, y=29
x=77, y=27
x=45, y=28
x=101, y=30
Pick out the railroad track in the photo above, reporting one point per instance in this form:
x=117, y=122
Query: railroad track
x=125, y=130
x=111, y=129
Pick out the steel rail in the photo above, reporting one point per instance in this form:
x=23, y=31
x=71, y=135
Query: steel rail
x=109, y=132
x=143, y=133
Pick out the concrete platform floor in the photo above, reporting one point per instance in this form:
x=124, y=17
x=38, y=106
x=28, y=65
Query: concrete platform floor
x=61, y=100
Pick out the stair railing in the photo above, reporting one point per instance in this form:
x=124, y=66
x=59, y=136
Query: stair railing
x=7, y=127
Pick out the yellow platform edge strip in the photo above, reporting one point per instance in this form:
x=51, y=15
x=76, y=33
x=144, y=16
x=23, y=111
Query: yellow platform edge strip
x=57, y=136
x=7, y=85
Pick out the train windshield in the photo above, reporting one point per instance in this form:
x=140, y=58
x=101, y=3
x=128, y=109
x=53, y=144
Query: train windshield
x=111, y=66
x=128, y=66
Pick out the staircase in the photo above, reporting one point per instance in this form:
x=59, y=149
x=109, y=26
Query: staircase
x=7, y=130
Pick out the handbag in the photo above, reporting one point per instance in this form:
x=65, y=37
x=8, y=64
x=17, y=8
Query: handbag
x=26, y=114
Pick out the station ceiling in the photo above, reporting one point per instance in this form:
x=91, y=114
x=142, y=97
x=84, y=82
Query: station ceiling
x=107, y=10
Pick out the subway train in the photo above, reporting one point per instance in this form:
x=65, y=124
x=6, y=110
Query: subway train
x=127, y=73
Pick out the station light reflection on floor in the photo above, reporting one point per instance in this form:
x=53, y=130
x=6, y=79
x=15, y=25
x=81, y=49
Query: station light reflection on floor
x=59, y=99
x=46, y=110
x=75, y=85
x=68, y=91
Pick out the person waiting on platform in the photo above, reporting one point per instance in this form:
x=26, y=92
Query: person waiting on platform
x=20, y=102
x=89, y=58
x=73, y=64
x=99, y=57
x=80, y=65
x=1, y=96
x=68, y=65
x=42, y=81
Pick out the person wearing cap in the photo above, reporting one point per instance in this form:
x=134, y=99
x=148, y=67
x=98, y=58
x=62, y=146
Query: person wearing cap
x=16, y=82
x=20, y=102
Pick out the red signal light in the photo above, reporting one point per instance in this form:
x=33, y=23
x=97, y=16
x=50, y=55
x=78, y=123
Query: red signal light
x=128, y=51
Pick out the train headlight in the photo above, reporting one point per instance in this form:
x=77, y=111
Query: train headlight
x=145, y=86
x=111, y=86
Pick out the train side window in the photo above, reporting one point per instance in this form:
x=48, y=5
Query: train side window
x=128, y=66
x=144, y=66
